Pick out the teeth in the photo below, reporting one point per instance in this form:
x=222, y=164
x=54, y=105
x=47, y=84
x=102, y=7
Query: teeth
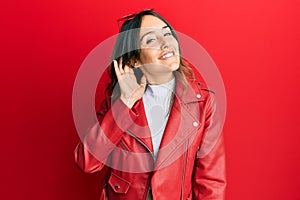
x=167, y=55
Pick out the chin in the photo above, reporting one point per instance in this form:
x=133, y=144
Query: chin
x=174, y=66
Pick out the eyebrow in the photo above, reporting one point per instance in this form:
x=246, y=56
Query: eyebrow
x=164, y=27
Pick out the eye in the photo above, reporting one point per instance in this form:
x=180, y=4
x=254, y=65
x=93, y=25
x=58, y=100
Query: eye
x=150, y=40
x=167, y=34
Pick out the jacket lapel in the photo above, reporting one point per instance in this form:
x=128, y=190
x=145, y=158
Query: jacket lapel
x=140, y=130
x=182, y=124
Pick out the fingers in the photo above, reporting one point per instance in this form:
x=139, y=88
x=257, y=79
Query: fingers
x=117, y=70
x=120, y=66
x=131, y=71
x=126, y=69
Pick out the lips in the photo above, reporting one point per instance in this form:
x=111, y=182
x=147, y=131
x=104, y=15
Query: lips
x=166, y=55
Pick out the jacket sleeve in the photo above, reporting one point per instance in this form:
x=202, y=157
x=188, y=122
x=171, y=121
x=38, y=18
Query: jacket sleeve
x=101, y=139
x=209, y=180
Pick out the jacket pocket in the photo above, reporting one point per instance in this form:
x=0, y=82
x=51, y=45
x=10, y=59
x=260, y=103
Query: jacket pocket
x=118, y=184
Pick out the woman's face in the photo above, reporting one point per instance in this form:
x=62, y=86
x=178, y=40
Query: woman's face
x=159, y=51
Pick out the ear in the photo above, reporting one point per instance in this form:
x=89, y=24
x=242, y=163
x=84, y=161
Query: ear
x=137, y=63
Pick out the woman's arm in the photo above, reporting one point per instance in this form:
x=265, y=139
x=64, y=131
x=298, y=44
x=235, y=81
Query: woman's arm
x=105, y=135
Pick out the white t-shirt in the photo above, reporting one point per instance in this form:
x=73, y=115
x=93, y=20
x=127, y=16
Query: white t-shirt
x=156, y=101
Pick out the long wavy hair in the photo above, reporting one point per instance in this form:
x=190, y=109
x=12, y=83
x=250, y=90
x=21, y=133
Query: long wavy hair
x=127, y=47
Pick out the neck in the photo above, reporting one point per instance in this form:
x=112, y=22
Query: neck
x=157, y=80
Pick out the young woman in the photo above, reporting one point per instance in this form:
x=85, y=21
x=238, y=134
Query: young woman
x=153, y=122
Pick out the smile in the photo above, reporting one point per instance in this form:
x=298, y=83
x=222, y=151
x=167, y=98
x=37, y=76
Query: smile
x=167, y=55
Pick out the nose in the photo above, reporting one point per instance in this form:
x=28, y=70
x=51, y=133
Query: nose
x=164, y=43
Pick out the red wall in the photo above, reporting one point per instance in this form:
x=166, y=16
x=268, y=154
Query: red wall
x=254, y=43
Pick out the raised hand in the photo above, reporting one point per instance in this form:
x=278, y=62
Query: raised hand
x=131, y=90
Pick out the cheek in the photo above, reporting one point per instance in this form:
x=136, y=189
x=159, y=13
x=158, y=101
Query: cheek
x=176, y=45
x=148, y=55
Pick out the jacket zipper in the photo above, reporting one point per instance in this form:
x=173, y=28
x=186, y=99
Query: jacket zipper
x=124, y=147
x=149, y=183
x=184, y=169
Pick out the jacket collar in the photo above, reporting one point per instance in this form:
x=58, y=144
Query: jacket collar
x=188, y=91
x=185, y=93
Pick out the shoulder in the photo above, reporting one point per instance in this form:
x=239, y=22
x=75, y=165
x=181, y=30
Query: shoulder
x=199, y=86
x=196, y=80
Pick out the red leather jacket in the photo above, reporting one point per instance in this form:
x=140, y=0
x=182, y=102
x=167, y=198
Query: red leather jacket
x=121, y=149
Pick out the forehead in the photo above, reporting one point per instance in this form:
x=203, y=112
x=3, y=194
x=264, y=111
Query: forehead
x=150, y=21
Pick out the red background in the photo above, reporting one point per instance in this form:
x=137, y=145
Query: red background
x=255, y=45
